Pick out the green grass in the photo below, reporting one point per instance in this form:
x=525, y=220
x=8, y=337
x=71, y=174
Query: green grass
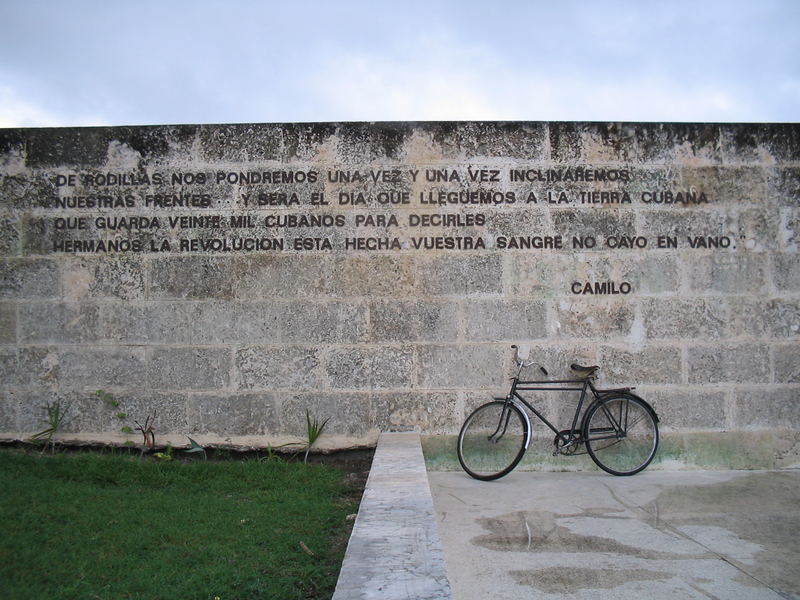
x=95, y=526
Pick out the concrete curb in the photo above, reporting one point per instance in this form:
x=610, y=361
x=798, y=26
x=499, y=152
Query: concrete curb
x=395, y=551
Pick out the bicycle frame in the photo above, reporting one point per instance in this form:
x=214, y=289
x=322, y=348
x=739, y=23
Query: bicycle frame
x=582, y=385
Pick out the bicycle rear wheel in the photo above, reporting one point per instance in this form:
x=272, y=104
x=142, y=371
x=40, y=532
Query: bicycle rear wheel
x=492, y=440
x=621, y=434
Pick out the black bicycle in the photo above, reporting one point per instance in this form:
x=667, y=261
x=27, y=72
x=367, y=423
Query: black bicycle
x=618, y=430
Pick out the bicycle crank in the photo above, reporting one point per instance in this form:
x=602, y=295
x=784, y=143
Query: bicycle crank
x=566, y=442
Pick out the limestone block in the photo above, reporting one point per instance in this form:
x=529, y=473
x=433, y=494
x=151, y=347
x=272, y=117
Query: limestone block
x=306, y=322
x=282, y=367
x=85, y=412
x=29, y=367
x=784, y=186
x=379, y=367
x=686, y=223
x=759, y=142
x=431, y=413
x=84, y=147
x=9, y=235
x=232, y=414
x=22, y=192
x=517, y=222
x=733, y=273
x=555, y=357
x=95, y=368
x=82, y=411
x=8, y=412
x=210, y=322
x=529, y=275
x=727, y=185
x=67, y=323
x=688, y=409
x=673, y=318
x=240, y=143
x=270, y=276
x=728, y=363
x=349, y=412
x=188, y=368
x=635, y=142
x=504, y=320
x=653, y=364
x=770, y=408
x=601, y=225
x=790, y=229
x=469, y=140
x=8, y=323
x=766, y=318
x=306, y=141
x=786, y=271
x=758, y=230
x=787, y=363
x=587, y=317
x=167, y=411
x=461, y=367
x=459, y=275
x=374, y=276
x=414, y=320
x=358, y=143
x=192, y=277
x=29, y=278
x=104, y=278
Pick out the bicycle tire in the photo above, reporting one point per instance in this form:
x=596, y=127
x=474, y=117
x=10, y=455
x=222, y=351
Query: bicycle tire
x=492, y=440
x=621, y=434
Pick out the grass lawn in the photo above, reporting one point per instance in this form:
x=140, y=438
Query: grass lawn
x=100, y=526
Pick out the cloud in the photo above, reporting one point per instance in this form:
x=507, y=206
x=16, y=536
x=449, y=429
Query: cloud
x=452, y=83
x=15, y=112
x=18, y=112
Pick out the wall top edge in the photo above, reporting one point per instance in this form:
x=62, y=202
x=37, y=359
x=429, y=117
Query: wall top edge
x=410, y=124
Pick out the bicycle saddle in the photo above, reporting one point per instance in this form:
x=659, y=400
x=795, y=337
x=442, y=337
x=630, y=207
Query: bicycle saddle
x=584, y=371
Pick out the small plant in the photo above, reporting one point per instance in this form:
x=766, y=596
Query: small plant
x=167, y=454
x=314, y=430
x=107, y=398
x=147, y=431
x=196, y=448
x=55, y=418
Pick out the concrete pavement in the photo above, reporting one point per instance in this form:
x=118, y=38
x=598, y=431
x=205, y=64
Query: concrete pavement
x=658, y=534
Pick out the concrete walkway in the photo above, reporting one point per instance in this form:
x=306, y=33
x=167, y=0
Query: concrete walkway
x=691, y=534
x=394, y=551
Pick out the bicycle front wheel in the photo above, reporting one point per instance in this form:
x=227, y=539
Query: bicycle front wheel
x=621, y=434
x=492, y=440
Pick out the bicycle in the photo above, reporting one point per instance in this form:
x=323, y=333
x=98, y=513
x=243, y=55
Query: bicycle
x=619, y=430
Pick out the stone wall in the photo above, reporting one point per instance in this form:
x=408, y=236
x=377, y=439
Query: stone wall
x=229, y=277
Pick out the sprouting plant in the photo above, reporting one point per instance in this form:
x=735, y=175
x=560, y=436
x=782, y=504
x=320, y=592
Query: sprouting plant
x=147, y=431
x=109, y=400
x=196, y=448
x=314, y=429
x=55, y=418
x=167, y=454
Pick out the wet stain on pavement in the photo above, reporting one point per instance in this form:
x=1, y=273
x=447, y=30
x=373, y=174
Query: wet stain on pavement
x=761, y=510
x=540, y=531
x=556, y=580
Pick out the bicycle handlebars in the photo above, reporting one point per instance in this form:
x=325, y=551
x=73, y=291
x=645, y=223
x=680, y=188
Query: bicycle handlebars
x=521, y=354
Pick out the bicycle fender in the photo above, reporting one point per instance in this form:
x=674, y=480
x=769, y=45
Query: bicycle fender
x=627, y=392
x=525, y=416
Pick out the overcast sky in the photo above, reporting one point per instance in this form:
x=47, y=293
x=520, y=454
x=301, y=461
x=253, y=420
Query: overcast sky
x=116, y=62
